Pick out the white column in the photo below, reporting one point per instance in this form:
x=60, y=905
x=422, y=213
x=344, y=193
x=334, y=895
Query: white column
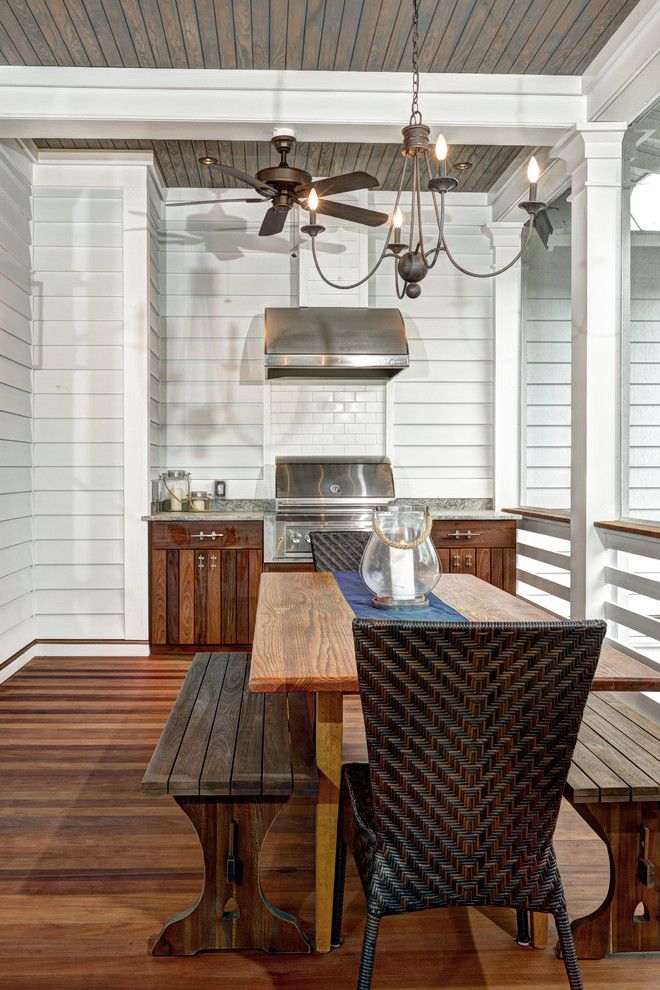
x=506, y=241
x=593, y=158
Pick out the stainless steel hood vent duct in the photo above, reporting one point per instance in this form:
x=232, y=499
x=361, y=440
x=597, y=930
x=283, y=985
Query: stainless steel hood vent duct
x=335, y=342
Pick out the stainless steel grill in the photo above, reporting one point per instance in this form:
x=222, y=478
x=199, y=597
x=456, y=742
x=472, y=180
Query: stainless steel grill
x=321, y=493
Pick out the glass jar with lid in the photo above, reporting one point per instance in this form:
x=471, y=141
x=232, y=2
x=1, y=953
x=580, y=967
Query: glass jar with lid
x=175, y=490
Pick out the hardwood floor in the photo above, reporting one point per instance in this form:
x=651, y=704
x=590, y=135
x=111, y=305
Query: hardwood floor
x=90, y=867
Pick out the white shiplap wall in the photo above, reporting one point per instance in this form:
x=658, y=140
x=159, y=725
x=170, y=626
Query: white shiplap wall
x=78, y=412
x=546, y=368
x=218, y=275
x=441, y=407
x=644, y=378
x=16, y=500
x=435, y=418
x=156, y=331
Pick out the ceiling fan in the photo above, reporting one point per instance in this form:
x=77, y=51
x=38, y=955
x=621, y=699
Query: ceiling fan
x=285, y=187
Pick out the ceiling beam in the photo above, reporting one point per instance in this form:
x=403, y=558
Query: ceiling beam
x=247, y=104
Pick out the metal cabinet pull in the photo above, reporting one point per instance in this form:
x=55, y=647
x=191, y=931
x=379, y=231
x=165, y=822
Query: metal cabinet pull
x=200, y=562
x=468, y=560
x=213, y=563
x=468, y=534
x=206, y=536
x=457, y=561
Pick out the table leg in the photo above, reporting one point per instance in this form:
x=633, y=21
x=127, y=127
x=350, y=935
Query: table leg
x=329, y=731
x=539, y=929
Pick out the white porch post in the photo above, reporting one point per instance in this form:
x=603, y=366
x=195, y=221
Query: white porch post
x=593, y=158
x=506, y=239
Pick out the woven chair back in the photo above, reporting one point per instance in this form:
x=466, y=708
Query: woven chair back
x=471, y=729
x=338, y=550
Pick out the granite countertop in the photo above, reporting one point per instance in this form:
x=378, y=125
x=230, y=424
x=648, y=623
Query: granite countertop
x=247, y=510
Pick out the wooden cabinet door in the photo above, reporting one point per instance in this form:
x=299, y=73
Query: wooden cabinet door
x=204, y=597
x=462, y=561
x=226, y=596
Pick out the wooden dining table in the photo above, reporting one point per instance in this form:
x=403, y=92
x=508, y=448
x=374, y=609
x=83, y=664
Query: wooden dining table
x=303, y=641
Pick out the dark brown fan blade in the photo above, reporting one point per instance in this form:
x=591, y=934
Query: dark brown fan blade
x=273, y=222
x=249, y=180
x=335, y=184
x=355, y=213
x=213, y=202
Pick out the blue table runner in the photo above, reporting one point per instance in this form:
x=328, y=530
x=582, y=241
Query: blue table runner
x=359, y=597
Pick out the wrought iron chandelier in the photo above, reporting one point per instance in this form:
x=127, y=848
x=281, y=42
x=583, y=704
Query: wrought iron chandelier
x=413, y=260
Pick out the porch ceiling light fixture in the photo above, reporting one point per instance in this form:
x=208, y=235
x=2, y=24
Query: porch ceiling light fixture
x=413, y=260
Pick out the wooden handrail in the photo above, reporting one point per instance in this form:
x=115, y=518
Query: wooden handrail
x=637, y=527
x=549, y=515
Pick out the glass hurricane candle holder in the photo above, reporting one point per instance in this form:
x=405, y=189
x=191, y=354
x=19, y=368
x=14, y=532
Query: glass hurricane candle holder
x=400, y=564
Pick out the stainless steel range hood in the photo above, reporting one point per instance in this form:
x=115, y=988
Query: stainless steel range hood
x=341, y=342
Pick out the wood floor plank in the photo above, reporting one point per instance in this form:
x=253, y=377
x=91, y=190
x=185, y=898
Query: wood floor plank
x=90, y=867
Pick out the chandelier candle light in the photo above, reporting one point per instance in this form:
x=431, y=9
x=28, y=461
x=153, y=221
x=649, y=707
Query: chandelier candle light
x=412, y=258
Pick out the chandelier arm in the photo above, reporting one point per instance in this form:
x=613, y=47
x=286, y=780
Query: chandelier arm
x=440, y=220
x=383, y=253
x=417, y=194
x=401, y=294
x=354, y=285
x=528, y=227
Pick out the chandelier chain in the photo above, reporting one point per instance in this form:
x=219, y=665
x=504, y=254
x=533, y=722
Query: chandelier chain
x=415, y=112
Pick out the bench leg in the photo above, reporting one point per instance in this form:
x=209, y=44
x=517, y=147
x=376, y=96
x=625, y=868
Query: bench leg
x=232, y=912
x=617, y=925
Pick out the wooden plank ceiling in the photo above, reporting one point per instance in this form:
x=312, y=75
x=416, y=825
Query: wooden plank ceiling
x=178, y=163
x=512, y=36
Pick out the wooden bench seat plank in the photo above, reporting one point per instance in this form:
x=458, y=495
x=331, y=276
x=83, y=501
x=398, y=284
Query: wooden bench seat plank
x=611, y=787
x=215, y=778
x=648, y=785
x=249, y=745
x=650, y=727
x=156, y=779
x=619, y=719
x=276, y=768
x=639, y=784
x=305, y=775
x=187, y=769
x=580, y=788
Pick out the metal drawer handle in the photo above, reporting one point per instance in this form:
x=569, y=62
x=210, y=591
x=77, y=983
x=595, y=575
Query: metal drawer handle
x=206, y=536
x=468, y=560
x=468, y=534
x=213, y=561
x=200, y=562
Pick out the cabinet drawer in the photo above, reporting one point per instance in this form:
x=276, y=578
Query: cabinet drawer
x=484, y=533
x=216, y=533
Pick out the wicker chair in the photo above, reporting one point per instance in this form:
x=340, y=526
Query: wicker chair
x=338, y=550
x=470, y=731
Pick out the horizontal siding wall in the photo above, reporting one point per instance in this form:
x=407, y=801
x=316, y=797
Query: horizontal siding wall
x=78, y=412
x=16, y=498
x=218, y=276
x=644, y=377
x=155, y=328
x=546, y=368
x=441, y=406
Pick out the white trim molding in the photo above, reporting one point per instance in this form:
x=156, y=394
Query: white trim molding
x=246, y=104
x=624, y=78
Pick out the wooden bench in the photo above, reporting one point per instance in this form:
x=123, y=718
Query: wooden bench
x=231, y=760
x=614, y=784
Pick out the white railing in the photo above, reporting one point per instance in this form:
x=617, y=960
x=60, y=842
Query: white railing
x=543, y=552
x=633, y=603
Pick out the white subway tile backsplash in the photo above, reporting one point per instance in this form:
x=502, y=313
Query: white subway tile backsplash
x=325, y=418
